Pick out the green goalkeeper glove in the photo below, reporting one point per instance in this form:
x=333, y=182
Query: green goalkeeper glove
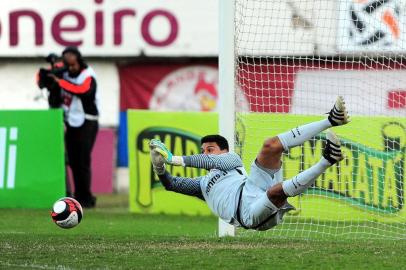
x=169, y=158
x=161, y=148
x=158, y=162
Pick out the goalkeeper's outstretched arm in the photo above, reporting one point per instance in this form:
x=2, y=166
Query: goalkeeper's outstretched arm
x=224, y=161
x=183, y=185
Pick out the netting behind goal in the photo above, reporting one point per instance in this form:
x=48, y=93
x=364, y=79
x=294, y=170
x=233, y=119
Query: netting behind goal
x=293, y=58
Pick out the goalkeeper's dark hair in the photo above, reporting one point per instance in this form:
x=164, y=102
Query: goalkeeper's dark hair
x=218, y=139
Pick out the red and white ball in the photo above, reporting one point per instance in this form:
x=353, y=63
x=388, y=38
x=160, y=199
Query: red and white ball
x=67, y=213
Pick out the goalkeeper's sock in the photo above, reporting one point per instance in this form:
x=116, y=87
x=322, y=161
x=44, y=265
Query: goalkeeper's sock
x=299, y=135
x=305, y=179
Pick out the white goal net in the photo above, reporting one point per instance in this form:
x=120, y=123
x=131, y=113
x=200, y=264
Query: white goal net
x=292, y=59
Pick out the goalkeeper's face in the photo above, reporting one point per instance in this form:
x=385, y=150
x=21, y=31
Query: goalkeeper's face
x=212, y=148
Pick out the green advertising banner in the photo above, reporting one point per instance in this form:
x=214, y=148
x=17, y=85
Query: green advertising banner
x=32, y=165
x=368, y=184
x=181, y=132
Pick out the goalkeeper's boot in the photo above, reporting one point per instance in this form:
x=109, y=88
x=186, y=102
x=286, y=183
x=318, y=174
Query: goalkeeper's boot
x=332, y=150
x=158, y=162
x=338, y=115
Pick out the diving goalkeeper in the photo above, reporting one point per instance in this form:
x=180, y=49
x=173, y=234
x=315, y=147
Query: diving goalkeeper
x=257, y=201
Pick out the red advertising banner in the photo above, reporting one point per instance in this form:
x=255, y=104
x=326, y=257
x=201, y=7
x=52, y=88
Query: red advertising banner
x=169, y=87
x=282, y=88
x=103, y=156
x=102, y=162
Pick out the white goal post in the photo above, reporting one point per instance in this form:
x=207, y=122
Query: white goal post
x=226, y=86
x=291, y=59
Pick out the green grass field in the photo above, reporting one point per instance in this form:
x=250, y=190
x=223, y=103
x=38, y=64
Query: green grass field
x=111, y=238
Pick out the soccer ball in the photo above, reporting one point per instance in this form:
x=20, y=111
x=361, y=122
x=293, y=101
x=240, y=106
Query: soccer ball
x=67, y=213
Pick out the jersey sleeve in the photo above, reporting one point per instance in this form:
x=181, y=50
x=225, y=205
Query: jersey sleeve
x=225, y=162
x=86, y=87
x=183, y=185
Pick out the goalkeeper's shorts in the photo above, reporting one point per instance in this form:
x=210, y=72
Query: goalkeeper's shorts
x=252, y=213
x=262, y=178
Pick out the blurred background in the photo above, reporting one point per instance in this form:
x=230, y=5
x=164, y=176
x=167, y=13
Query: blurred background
x=162, y=56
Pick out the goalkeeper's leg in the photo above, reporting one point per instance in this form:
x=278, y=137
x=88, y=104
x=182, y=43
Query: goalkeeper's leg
x=298, y=184
x=271, y=152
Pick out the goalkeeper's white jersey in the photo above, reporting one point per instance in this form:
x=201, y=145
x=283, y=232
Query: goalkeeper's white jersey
x=221, y=188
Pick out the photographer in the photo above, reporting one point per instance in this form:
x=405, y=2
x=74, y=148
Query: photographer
x=73, y=87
